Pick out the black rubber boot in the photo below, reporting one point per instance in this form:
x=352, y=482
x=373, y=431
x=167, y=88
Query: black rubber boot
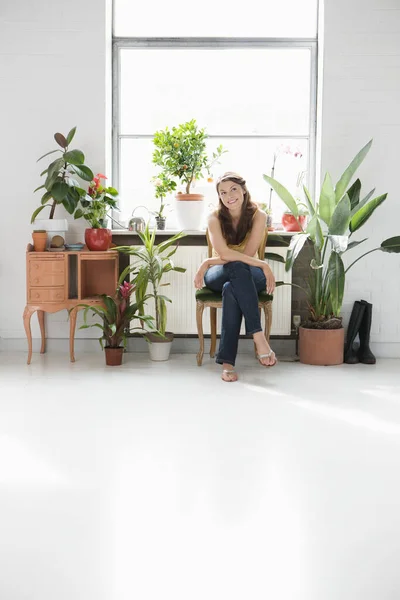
x=350, y=355
x=364, y=353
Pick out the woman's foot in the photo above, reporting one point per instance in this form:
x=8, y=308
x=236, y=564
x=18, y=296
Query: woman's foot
x=265, y=355
x=228, y=373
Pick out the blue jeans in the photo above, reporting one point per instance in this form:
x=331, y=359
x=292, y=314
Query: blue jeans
x=239, y=284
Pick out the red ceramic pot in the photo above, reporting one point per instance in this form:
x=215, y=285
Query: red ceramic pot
x=290, y=223
x=98, y=239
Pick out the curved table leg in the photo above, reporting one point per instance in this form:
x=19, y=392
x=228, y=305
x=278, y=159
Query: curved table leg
x=199, y=319
x=28, y=312
x=40, y=314
x=72, y=325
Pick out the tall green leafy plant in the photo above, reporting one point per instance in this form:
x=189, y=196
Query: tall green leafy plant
x=338, y=214
x=61, y=185
x=152, y=261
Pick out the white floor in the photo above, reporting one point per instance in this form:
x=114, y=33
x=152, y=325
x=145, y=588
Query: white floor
x=157, y=481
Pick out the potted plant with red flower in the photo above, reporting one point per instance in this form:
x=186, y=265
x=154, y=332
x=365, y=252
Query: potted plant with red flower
x=116, y=314
x=95, y=208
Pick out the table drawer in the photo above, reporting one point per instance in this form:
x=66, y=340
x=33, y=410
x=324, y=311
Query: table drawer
x=47, y=294
x=46, y=273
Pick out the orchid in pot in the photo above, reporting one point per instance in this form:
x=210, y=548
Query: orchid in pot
x=163, y=185
x=116, y=314
x=280, y=150
x=334, y=218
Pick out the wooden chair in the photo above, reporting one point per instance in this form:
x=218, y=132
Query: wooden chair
x=207, y=298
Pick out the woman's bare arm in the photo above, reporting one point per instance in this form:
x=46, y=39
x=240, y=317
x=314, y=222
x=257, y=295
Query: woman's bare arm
x=226, y=253
x=257, y=233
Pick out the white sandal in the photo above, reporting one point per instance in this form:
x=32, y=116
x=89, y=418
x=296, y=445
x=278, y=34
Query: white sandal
x=268, y=355
x=229, y=372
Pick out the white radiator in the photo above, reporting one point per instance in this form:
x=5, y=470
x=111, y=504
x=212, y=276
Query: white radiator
x=182, y=311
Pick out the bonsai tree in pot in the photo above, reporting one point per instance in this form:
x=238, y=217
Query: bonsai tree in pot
x=95, y=208
x=61, y=186
x=182, y=156
x=116, y=314
x=153, y=261
x=333, y=219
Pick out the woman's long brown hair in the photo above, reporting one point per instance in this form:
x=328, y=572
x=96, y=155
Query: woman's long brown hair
x=232, y=236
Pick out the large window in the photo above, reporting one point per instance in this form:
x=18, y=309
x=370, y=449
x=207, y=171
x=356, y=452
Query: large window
x=255, y=96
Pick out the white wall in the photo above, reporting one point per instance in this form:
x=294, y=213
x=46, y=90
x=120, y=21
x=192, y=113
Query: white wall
x=52, y=77
x=361, y=100
x=53, y=63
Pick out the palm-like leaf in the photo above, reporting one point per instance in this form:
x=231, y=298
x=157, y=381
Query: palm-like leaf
x=347, y=176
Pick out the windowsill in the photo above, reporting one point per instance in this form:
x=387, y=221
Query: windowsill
x=194, y=232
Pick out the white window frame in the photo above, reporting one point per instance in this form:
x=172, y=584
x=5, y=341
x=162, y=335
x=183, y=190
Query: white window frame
x=120, y=43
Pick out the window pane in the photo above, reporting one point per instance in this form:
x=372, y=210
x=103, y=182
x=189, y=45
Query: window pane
x=249, y=157
x=177, y=18
x=246, y=91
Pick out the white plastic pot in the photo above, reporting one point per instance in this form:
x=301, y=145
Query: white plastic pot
x=189, y=209
x=159, y=348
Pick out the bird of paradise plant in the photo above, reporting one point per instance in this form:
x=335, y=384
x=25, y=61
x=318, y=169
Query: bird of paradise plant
x=333, y=220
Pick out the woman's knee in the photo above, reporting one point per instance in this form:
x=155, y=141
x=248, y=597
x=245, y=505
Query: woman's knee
x=239, y=266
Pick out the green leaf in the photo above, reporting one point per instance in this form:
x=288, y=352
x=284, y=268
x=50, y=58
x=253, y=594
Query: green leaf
x=391, y=245
x=275, y=257
x=78, y=213
x=355, y=243
x=47, y=154
x=46, y=197
x=364, y=213
x=296, y=245
x=74, y=157
x=83, y=172
x=70, y=136
x=327, y=201
x=70, y=204
x=354, y=193
x=335, y=281
x=345, y=179
x=60, y=139
x=315, y=232
x=37, y=211
x=362, y=203
x=59, y=191
x=179, y=269
x=283, y=194
x=41, y=187
x=309, y=202
x=52, y=172
x=341, y=217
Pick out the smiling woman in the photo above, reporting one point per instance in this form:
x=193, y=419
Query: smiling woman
x=236, y=230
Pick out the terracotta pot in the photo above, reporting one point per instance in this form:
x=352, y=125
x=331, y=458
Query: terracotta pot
x=39, y=240
x=113, y=356
x=290, y=223
x=321, y=346
x=98, y=239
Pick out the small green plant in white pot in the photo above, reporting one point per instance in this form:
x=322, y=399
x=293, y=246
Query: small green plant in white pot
x=152, y=262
